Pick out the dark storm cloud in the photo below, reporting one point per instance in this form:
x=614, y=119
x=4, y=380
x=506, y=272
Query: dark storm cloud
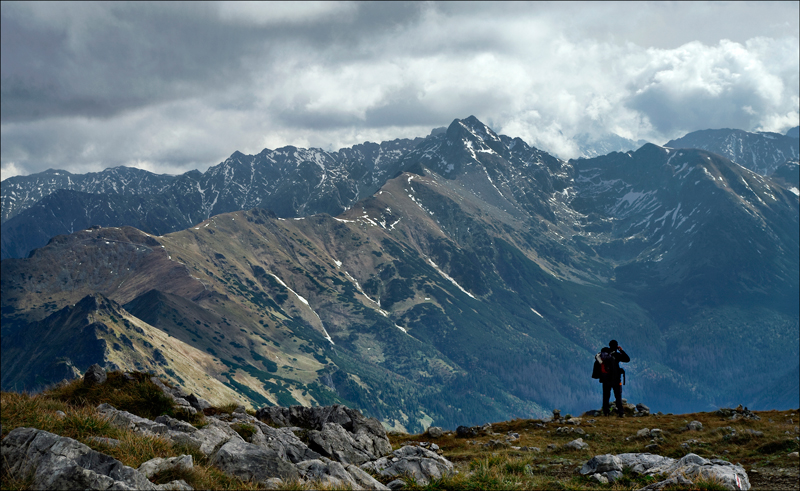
x=174, y=86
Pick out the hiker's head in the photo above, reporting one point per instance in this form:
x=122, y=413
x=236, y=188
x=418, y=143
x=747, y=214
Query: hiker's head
x=605, y=350
x=613, y=344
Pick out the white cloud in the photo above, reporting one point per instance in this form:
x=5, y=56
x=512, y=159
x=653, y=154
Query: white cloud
x=333, y=75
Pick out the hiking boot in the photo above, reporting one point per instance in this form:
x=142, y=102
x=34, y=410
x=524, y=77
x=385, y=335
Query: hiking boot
x=620, y=415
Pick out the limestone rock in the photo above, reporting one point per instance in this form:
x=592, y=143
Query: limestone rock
x=600, y=464
x=95, y=375
x=336, y=432
x=420, y=463
x=126, y=420
x=207, y=439
x=577, y=444
x=58, y=462
x=435, y=432
x=326, y=473
x=159, y=464
x=694, y=426
x=175, y=424
x=251, y=462
x=363, y=479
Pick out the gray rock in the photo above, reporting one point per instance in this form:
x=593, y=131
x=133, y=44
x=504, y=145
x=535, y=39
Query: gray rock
x=251, y=462
x=336, y=443
x=577, y=444
x=336, y=432
x=694, y=426
x=326, y=473
x=435, y=432
x=207, y=439
x=61, y=414
x=613, y=475
x=197, y=403
x=179, y=485
x=57, y=462
x=95, y=375
x=599, y=478
x=642, y=409
x=600, y=464
x=685, y=471
x=467, y=432
x=284, y=441
x=126, y=420
x=396, y=484
x=159, y=464
x=417, y=462
x=175, y=424
x=363, y=479
x=643, y=433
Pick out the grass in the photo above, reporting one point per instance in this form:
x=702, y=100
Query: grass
x=484, y=467
x=479, y=466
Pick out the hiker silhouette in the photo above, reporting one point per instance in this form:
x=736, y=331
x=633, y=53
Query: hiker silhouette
x=611, y=374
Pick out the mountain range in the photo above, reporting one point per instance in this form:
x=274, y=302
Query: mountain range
x=460, y=278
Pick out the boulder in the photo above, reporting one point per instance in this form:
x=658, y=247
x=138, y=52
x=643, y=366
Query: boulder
x=327, y=473
x=685, y=471
x=57, y=462
x=197, y=403
x=336, y=432
x=126, y=420
x=577, y=444
x=177, y=395
x=175, y=424
x=600, y=464
x=283, y=441
x=159, y=464
x=466, y=432
x=95, y=375
x=417, y=462
x=363, y=479
x=207, y=439
x=435, y=432
x=251, y=462
x=694, y=426
x=336, y=443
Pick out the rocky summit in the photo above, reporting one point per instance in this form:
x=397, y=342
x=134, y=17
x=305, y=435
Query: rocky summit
x=472, y=278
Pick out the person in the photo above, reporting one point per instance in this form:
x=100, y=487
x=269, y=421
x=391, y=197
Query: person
x=611, y=376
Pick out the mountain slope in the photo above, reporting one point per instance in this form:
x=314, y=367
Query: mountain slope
x=473, y=287
x=760, y=152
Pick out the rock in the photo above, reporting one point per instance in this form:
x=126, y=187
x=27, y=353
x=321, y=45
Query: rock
x=552, y=447
x=689, y=468
x=694, y=426
x=642, y=410
x=556, y=414
x=126, y=420
x=577, y=444
x=435, y=432
x=564, y=431
x=326, y=473
x=466, y=432
x=363, y=479
x=336, y=432
x=175, y=424
x=396, y=484
x=599, y=478
x=652, y=447
x=57, y=462
x=197, y=403
x=179, y=485
x=531, y=449
x=284, y=441
x=794, y=455
x=158, y=464
x=573, y=421
x=613, y=475
x=207, y=439
x=417, y=462
x=61, y=414
x=643, y=433
x=600, y=464
x=95, y=375
x=251, y=462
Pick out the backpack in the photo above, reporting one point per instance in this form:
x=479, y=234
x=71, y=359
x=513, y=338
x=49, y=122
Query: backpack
x=599, y=370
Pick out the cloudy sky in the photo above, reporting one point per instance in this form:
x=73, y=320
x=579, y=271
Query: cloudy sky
x=173, y=87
